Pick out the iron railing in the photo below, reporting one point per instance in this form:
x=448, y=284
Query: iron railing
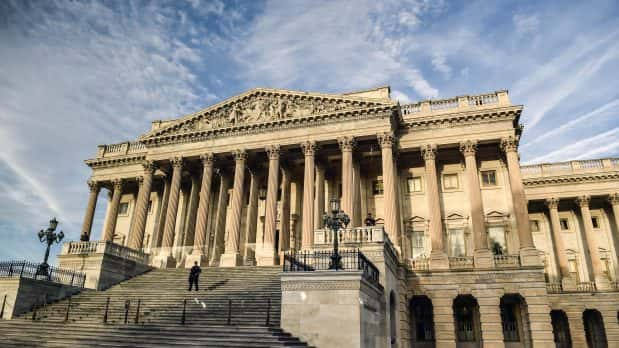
x=25, y=269
x=309, y=261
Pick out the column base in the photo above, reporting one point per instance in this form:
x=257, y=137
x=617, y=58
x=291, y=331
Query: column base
x=196, y=257
x=530, y=257
x=230, y=260
x=483, y=258
x=165, y=261
x=439, y=260
x=266, y=257
x=569, y=284
x=602, y=283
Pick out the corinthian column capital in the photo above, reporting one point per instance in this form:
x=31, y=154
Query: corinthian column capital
x=149, y=167
x=240, y=155
x=583, y=201
x=139, y=179
x=468, y=148
x=117, y=183
x=386, y=139
x=509, y=144
x=273, y=151
x=428, y=152
x=613, y=198
x=207, y=158
x=347, y=143
x=93, y=186
x=552, y=203
x=176, y=162
x=309, y=148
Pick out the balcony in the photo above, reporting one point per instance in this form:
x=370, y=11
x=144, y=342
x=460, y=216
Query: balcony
x=569, y=168
x=506, y=261
x=461, y=262
x=352, y=235
x=121, y=149
x=461, y=103
x=103, y=247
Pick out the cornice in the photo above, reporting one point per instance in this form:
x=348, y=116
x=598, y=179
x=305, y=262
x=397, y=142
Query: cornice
x=107, y=162
x=462, y=117
x=571, y=179
x=286, y=123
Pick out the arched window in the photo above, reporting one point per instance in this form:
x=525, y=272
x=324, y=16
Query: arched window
x=561, y=329
x=594, y=329
x=514, y=319
x=422, y=322
x=466, y=318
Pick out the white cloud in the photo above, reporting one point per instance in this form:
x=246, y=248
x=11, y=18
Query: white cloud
x=526, y=23
x=401, y=97
x=439, y=63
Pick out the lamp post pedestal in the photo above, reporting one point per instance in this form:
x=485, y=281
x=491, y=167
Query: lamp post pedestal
x=334, y=222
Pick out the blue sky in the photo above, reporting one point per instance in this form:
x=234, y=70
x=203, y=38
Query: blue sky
x=75, y=74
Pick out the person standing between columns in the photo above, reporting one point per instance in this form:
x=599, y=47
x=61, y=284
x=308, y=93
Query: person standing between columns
x=113, y=213
x=307, y=227
x=267, y=254
x=483, y=256
x=555, y=224
x=438, y=257
x=141, y=209
x=200, y=243
x=392, y=225
x=601, y=280
x=347, y=145
x=231, y=256
x=94, y=189
x=529, y=256
x=170, y=221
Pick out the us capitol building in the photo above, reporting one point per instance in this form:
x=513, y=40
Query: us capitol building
x=472, y=249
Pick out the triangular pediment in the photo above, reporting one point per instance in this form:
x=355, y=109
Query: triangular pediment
x=262, y=106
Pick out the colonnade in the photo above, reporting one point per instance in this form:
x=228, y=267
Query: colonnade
x=229, y=248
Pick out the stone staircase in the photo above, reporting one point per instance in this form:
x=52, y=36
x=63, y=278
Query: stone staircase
x=235, y=307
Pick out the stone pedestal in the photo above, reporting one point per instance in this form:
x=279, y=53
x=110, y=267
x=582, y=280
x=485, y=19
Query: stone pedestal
x=438, y=260
x=196, y=257
x=602, y=283
x=266, y=256
x=164, y=260
x=333, y=309
x=530, y=257
x=104, y=263
x=568, y=284
x=483, y=258
x=231, y=260
x=23, y=293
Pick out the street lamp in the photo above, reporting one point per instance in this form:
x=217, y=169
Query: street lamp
x=49, y=237
x=334, y=222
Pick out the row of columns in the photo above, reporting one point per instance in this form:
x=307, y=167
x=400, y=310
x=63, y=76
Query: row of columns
x=592, y=243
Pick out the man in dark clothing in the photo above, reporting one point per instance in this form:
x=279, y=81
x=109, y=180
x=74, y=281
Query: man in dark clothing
x=369, y=220
x=194, y=275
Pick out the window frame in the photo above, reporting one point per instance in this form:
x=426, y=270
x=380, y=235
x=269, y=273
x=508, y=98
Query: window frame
x=567, y=224
x=120, y=210
x=494, y=175
x=378, y=183
x=444, y=180
x=411, y=178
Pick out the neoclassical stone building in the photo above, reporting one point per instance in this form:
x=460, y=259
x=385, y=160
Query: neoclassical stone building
x=475, y=249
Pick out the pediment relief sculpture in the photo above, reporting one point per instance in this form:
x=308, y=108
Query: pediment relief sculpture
x=260, y=107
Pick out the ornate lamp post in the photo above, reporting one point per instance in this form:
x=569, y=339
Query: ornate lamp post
x=48, y=236
x=334, y=222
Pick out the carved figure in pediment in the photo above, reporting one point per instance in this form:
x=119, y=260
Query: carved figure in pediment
x=235, y=115
x=281, y=110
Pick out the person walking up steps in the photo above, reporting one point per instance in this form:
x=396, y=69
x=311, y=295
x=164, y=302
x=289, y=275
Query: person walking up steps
x=194, y=275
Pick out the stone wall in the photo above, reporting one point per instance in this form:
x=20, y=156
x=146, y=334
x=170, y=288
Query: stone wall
x=23, y=293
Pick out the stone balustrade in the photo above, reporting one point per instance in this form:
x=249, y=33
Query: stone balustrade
x=461, y=262
x=506, y=260
x=419, y=264
x=120, y=149
x=460, y=103
x=103, y=247
x=571, y=167
x=354, y=235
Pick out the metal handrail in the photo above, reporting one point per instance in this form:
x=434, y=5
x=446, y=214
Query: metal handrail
x=26, y=269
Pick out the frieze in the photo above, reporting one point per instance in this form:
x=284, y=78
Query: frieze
x=571, y=179
x=452, y=120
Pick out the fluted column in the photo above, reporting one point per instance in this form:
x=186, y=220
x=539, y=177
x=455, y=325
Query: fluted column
x=553, y=209
x=192, y=211
x=356, y=184
x=601, y=281
x=94, y=189
x=284, y=240
x=220, y=220
x=252, y=216
x=232, y=257
x=200, y=242
x=386, y=141
x=113, y=213
x=294, y=242
x=267, y=254
x=613, y=199
x=141, y=208
x=319, y=206
x=347, y=145
x=165, y=196
x=167, y=260
x=438, y=257
x=307, y=229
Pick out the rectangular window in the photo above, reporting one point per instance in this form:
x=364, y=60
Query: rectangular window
x=534, y=225
x=488, y=177
x=123, y=209
x=496, y=239
x=377, y=187
x=450, y=181
x=455, y=239
x=413, y=184
x=572, y=265
x=418, y=241
x=595, y=222
x=564, y=224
